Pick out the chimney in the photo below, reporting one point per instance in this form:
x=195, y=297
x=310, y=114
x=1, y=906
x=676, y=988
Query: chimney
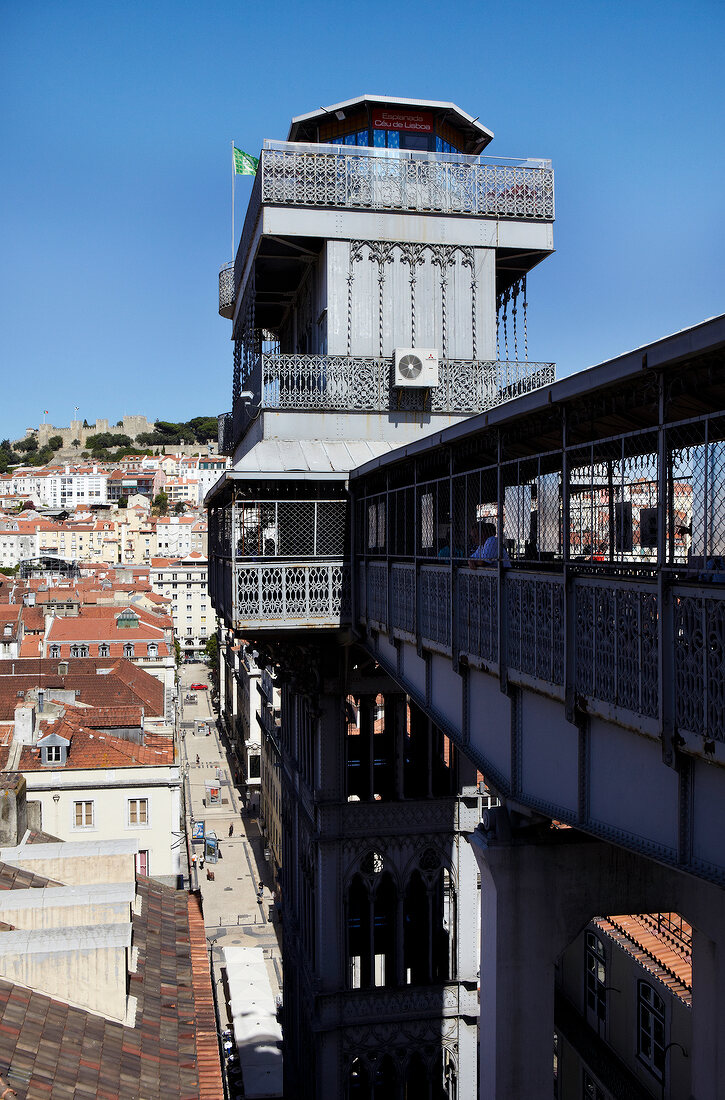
x=13, y=809
x=24, y=731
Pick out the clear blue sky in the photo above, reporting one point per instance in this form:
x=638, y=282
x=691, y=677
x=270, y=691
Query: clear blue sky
x=115, y=186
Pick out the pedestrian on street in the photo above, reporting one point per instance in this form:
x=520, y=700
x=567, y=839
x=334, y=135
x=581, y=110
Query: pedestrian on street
x=231, y=829
x=197, y=759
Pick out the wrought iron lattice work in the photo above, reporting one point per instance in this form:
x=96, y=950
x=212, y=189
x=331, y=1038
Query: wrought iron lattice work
x=535, y=630
x=226, y=290
x=617, y=648
x=403, y=183
x=279, y=594
x=352, y=383
x=699, y=630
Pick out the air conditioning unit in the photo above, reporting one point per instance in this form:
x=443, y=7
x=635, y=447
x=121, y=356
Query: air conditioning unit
x=416, y=367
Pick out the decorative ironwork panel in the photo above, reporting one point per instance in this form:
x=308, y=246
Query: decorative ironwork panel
x=699, y=637
x=225, y=437
x=358, y=383
x=402, y=582
x=377, y=593
x=535, y=627
x=435, y=605
x=402, y=182
x=477, y=614
x=616, y=644
x=226, y=290
x=311, y=592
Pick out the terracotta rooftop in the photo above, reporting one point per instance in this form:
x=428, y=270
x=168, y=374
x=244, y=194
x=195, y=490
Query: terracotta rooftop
x=52, y=1050
x=90, y=748
x=99, y=682
x=664, y=955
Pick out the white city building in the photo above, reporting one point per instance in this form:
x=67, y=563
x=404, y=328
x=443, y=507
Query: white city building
x=184, y=582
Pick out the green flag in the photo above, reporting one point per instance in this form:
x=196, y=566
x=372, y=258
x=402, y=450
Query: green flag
x=244, y=163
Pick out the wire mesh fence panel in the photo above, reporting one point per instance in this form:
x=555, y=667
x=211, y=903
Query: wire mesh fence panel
x=291, y=529
x=696, y=500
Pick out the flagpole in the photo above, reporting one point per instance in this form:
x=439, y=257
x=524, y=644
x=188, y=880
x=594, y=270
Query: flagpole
x=233, y=175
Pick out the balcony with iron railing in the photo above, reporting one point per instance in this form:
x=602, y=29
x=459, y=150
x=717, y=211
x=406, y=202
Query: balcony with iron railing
x=280, y=565
x=346, y=383
x=365, y=178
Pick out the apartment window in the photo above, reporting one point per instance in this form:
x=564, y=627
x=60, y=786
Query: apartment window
x=128, y=649
x=142, y=863
x=53, y=754
x=189, y=576
x=138, y=811
x=651, y=1029
x=104, y=650
x=83, y=815
x=190, y=630
x=596, y=977
x=152, y=649
x=54, y=651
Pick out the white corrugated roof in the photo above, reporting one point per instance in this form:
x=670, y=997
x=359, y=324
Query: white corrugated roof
x=309, y=456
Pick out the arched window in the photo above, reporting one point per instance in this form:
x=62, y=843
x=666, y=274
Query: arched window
x=54, y=651
x=152, y=649
x=651, y=1029
x=104, y=650
x=128, y=649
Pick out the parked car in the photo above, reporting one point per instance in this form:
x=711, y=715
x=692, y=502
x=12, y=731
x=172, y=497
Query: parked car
x=198, y=687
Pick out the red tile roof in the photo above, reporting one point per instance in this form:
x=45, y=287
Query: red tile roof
x=66, y=1053
x=207, y=1046
x=654, y=950
x=98, y=682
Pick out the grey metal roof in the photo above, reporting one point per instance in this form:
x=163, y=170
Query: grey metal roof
x=299, y=457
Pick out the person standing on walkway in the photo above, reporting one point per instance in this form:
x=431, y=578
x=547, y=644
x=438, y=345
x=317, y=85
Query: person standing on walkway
x=231, y=829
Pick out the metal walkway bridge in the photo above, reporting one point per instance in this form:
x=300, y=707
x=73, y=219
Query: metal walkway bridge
x=579, y=658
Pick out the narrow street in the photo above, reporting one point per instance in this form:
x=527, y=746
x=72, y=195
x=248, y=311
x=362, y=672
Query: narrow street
x=235, y=911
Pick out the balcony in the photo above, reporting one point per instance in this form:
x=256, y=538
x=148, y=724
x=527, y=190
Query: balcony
x=280, y=564
x=226, y=291
x=275, y=596
x=363, y=178
x=359, y=384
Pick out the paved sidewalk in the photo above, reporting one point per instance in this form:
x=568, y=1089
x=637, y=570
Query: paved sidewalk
x=233, y=911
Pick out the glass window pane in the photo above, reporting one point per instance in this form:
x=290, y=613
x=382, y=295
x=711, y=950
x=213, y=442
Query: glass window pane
x=379, y=139
x=393, y=139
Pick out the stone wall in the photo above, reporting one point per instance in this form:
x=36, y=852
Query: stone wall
x=131, y=425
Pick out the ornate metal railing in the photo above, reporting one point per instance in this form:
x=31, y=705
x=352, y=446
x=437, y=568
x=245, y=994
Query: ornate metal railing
x=403, y=182
x=356, y=383
x=613, y=634
x=225, y=434
x=275, y=596
x=226, y=290
x=370, y=179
